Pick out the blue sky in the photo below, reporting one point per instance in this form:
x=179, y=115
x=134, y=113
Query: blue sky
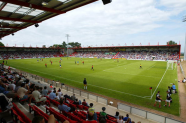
x=120, y=22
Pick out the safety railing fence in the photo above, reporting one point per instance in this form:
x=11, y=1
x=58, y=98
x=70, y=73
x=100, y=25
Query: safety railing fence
x=182, y=70
x=146, y=114
x=120, y=106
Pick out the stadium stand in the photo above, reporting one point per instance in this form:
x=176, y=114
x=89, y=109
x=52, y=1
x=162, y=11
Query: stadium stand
x=155, y=55
x=28, y=54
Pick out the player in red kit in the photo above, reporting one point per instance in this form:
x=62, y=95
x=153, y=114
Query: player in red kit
x=92, y=67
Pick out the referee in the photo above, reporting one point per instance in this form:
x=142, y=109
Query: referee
x=85, y=83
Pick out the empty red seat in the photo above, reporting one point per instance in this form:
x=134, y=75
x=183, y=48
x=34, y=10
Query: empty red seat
x=19, y=114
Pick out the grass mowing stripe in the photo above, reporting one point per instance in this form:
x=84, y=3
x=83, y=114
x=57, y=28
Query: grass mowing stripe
x=132, y=74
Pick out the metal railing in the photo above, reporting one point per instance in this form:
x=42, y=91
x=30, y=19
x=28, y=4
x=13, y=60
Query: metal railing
x=182, y=70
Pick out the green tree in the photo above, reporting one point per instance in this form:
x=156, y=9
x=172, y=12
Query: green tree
x=74, y=44
x=44, y=46
x=171, y=42
x=64, y=45
x=1, y=44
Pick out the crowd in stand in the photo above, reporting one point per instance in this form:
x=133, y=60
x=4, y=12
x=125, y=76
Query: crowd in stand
x=14, y=86
x=144, y=55
x=28, y=54
x=93, y=54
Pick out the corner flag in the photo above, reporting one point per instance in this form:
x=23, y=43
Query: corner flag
x=150, y=88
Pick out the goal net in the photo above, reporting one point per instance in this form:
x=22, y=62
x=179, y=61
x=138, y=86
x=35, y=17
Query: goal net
x=170, y=65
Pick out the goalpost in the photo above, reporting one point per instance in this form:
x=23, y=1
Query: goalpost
x=170, y=65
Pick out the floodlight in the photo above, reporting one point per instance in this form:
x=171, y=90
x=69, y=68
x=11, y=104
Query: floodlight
x=45, y=2
x=36, y=25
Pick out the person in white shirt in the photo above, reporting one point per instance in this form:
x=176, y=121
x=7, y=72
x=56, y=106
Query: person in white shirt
x=23, y=93
x=12, y=86
x=120, y=120
x=36, y=94
x=60, y=93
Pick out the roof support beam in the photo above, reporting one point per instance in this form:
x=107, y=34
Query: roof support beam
x=79, y=5
x=21, y=3
x=16, y=19
x=3, y=5
x=12, y=27
x=7, y=31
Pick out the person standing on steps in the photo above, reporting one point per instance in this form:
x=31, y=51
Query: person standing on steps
x=85, y=83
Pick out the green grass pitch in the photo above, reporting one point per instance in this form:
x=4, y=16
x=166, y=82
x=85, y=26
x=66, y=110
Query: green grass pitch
x=123, y=80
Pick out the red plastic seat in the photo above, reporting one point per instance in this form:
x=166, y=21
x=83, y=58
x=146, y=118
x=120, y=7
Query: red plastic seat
x=93, y=121
x=85, y=108
x=20, y=115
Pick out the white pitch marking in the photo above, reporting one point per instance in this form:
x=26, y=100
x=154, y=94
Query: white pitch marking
x=150, y=67
x=159, y=83
x=89, y=84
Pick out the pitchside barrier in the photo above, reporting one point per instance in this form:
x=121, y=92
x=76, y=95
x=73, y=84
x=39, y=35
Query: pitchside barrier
x=120, y=106
x=146, y=114
x=182, y=70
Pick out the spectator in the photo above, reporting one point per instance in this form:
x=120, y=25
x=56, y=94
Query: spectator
x=120, y=119
x=90, y=117
x=184, y=80
x=38, y=119
x=51, y=86
x=103, y=113
x=63, y=107
x=45, y=91
x=36, y=94
x=73, y=97
x=66, y=101
x=53, y=82
x=32, y=88
x=23, y=93
x=57, y=96
x=84, y=103
x=3, y=89
x=52, y=95
x=27, y=84
x=59, y=93
x=117, y=115
x=5, y=103
x=12, y=86
x=127, y=119
x=76, y=102
x=18, y=85
x=40, y=89
x=92, y=110
x=66, y=96
x=102, y=120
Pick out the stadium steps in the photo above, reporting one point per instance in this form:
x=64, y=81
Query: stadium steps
x=25, y=109
x=116, y=55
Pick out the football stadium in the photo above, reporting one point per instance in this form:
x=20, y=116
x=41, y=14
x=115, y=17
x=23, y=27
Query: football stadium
x=72, y=83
